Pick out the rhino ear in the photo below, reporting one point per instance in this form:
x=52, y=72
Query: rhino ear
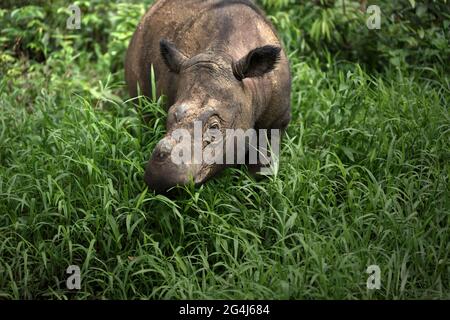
x=258, y=62
x=171, y=56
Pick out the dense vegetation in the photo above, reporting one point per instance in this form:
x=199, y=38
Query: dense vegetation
x=363, y=179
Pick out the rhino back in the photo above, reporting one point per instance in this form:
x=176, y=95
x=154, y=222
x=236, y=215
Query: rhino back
x=236, y=26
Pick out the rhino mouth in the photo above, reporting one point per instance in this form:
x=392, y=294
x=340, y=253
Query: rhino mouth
x=162, y=174
x=207, y=172
x=161, y=177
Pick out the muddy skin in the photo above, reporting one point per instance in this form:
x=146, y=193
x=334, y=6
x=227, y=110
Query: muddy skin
x=217, y=61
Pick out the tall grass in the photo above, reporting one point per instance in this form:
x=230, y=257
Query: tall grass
x=363, y=180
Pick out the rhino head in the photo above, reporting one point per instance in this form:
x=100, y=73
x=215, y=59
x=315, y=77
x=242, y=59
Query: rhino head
x=211, y=97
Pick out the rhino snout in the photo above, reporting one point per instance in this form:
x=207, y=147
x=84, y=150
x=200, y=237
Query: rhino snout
x=162, y=173
x=163, y=149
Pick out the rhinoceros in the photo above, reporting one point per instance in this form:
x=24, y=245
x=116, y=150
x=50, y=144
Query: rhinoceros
x=222, y=67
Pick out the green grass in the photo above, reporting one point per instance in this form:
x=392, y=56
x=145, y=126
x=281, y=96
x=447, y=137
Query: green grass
x=363, y=179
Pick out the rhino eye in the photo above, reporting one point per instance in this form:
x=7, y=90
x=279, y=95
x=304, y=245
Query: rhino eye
x=214, y=126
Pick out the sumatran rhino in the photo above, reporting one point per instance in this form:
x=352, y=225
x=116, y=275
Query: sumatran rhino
x=221, y=66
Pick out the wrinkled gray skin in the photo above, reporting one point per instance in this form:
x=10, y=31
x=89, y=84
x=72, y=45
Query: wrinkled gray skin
x=217, y=61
